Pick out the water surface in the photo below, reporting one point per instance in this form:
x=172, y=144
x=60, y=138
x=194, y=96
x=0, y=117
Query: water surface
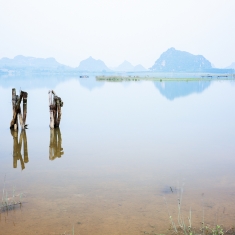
x=120, y=150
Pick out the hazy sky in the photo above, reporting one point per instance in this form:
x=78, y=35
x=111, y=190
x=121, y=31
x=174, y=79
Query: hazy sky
x=117, y=30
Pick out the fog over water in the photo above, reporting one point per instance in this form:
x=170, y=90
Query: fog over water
x=121, y=147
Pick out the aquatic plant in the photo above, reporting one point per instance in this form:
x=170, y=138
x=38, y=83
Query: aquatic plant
x=9, y=202
x=180, y=227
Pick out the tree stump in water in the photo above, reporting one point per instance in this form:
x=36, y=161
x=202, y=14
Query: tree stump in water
x=16, y=101
x=55, y=104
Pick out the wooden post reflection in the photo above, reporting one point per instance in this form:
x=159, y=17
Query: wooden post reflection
x=17, y=145
x=55, y=148
x=26, y=157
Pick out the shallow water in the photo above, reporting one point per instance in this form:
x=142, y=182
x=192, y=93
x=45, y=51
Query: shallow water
x=126, y=147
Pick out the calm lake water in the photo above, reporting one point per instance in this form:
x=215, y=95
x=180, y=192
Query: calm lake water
x=122, y=147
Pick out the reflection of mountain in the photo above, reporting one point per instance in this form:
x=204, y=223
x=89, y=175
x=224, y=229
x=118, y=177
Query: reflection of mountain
x=172, y=90
x=90, y=83
x=28, y=82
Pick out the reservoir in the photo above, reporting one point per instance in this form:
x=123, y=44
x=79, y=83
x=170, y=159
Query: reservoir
x=123, y=157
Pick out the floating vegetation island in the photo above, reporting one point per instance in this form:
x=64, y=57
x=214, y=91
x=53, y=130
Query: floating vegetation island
x=197, y=77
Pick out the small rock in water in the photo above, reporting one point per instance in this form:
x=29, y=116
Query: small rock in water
x=169, y=189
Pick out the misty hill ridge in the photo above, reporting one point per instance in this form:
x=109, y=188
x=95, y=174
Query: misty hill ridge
x=128, y=67
x=125, y=66
x=171, y=60
x=24, y=61
x=231, y=66
x=92, y=65
x=139, y=67
x=174, y=60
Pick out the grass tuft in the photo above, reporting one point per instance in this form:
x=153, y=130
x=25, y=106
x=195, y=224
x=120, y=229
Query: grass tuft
x=9, y=203
x=181, y=228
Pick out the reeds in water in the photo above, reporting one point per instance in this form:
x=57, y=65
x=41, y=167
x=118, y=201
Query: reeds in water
x=9, y=201
x=181, y=227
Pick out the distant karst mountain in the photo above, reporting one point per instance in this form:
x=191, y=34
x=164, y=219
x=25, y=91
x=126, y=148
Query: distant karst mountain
x=174, y=60
x=128, y=67
x=29, y=62
x=92, y=65
x=139, y=68
x=125, y=66
x=231, y=66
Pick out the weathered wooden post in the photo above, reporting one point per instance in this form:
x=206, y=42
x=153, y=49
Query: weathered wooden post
x=51, y=107
x=16, y=109
x=55, y=104
x=16, y=101
x=59, y=104
x=25, y=96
